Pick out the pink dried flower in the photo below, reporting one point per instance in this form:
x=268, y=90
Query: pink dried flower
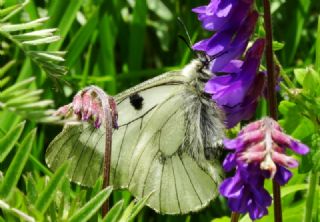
x=91, y=104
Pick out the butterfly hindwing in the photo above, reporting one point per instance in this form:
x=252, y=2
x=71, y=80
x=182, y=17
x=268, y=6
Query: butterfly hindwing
x=162, y=164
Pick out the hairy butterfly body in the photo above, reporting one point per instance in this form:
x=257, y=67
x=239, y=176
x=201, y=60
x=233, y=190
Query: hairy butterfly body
x=168, y=143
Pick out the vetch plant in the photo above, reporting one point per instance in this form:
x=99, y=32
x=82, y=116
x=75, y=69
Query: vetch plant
x=236, y=86
x=259, y=153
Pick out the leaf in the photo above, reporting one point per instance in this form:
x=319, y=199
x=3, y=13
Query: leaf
x=23, y=26
x=48, y=193
x=41, y=41
x=221, y=219
x=114, y=213
x=311, y=81
x=276, y=46
x=16, y=166
x=90, y=208
x=9, y=140
x=297, y=13
x=17, y=212
x=66, y=21
x=317, y=63
x=292, y=189
x=35, y=34
x=299, y=75
x=6, y=67
x=137, y=34
x=20, y=85
x=80, y=39
x=138, y=206
x=134, y=208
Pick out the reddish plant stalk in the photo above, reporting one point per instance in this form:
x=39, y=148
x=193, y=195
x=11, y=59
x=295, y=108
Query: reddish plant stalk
x=272, y=98
x=235, y=217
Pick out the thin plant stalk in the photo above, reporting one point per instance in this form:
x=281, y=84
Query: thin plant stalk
x=272, y=99
x=235, y=217
x=314, y=180
x=314, y=176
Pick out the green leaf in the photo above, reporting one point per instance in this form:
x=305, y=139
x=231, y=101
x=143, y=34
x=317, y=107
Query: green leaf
x=80, y=39
x=16, y=212
x=317, y=63
x=311, y=81
x=138, y=206
x=66, y=22
x=133, y=209
x=17, y=164
x=9, y=140
x=137, y=34
x=292, y=189
x=41, y=41
x=221, y=219
x=6, y=67
x=293, y=122
x=23, y=26
x=54, y=184
x=90, y=208
x=35, y=34
x=300, y=75
x=114, y=213
x=7, y=10
x=293, y=31
x=17, y=86
x=276, y=46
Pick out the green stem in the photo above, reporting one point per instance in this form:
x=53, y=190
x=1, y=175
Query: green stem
x=314, y=178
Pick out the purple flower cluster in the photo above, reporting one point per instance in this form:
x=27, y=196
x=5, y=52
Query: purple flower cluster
x=259, y=153
x=236, y=85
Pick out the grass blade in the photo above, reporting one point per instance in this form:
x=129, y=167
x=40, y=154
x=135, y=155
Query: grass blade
x=114, y=213
x=46, y=197
x=137, y=34
x=16, y=166
x=86, y=212
x=80, y=40
x=66, y=22
x=9, y=140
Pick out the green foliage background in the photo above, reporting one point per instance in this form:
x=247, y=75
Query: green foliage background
x=116, y=44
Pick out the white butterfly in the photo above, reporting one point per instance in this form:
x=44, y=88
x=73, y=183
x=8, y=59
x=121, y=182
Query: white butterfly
x=168, y=142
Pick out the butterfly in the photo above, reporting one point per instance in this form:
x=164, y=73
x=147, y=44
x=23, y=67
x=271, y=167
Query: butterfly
x=168, y=142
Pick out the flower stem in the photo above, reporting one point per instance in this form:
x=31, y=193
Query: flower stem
x=107, y=151
x=235, y=217
x=314, y=176
x=272, y=99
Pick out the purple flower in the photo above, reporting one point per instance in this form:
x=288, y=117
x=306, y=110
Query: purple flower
x=259, y=153
x=228, y=44
x=220, y=15
x=237, y=93
x=245, y=192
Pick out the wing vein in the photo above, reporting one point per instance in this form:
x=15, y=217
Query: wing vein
x=175, y=185
x=145, y=181
x=92, y=153
x=160, y=187
x=115, y=170
x=83, y=147
x=190, y=179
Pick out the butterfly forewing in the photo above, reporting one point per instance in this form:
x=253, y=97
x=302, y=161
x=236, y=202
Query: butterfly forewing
x=153, y=151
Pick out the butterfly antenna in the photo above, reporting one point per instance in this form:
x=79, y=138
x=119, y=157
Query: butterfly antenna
x=189, y=42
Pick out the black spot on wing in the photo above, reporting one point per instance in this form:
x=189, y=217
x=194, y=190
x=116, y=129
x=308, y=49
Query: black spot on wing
x=136, y=101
